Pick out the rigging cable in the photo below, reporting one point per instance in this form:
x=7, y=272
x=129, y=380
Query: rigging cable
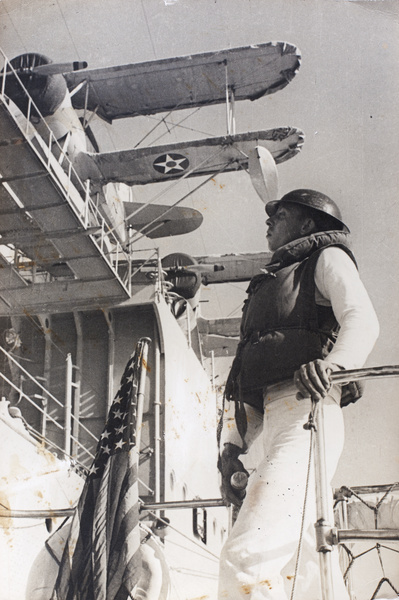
x=68, y=30
x=181, y=126
x=15, y=29
x=173, y=125
x=163, y=120
x=148, y=28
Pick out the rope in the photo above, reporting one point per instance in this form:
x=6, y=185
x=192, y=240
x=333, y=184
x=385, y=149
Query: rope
x=309, y=425
x=379, y=586
x=352, y=558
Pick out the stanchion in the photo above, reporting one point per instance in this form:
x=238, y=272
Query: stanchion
x=323, y=510
x=326, y=535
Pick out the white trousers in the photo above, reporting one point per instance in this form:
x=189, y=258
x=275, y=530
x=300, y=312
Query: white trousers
x=258, y=560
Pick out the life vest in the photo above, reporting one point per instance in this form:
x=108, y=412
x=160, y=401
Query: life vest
x=282, y=326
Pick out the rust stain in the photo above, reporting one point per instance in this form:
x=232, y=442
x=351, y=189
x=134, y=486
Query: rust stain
x=6, y=522
x=248, y=588
x=17, y=469
x=146, y=366
x=49, y=456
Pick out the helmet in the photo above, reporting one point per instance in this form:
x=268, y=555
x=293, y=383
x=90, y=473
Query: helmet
x=311, y=199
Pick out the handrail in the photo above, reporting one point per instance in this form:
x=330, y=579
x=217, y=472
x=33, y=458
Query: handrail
x=35, y=381
x=44, y=410
x=77, y=192
x=326, y=535
x=365, y=373
x=17, y=389
x=82, y=204
x=46, y=391
x=49, y=418
x=41, y=118
x=67, y=512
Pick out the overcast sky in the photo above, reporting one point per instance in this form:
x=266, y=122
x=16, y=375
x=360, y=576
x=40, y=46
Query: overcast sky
x=344, y=98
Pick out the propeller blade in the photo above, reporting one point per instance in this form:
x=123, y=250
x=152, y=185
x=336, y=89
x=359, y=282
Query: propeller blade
x=263, y=172
x=38, y=64
x=59, y=68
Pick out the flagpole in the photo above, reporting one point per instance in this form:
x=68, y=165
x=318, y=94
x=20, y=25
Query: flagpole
x=141, y=389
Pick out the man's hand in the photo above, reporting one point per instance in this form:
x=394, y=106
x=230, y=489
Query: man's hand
x=313, y=379
x=229, y=464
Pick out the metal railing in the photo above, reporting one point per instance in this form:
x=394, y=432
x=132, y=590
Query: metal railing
x=328, y=536
x=74, y=190
x=72, y=424
x=50, y=404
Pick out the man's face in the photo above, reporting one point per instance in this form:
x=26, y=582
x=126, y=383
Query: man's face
x=284, y=226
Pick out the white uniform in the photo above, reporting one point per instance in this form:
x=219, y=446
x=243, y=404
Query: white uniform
x=258, y=559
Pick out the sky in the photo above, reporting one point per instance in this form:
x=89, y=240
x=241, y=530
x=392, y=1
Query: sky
x=344, y=98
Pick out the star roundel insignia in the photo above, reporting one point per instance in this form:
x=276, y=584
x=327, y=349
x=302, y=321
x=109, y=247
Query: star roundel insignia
x=172, y=163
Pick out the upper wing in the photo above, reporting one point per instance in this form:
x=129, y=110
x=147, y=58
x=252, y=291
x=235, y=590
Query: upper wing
x=201, y=157
x=183, y=82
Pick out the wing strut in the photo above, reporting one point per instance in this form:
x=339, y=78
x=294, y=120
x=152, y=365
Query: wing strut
x=86, y=104
x=230, y=105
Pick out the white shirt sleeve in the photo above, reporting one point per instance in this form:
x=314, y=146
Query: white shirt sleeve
x=338, y=284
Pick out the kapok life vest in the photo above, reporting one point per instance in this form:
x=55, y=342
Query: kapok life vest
x=282, y=327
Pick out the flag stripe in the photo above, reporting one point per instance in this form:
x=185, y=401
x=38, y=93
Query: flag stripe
x=99, y=537
x=127, y=509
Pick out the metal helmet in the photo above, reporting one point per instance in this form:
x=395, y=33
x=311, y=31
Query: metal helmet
x=314, y=200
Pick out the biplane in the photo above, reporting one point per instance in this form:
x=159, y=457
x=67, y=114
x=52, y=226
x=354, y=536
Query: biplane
x=58, y=91
x=74, y=304
x=75, y=299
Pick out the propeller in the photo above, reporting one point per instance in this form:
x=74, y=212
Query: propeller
x=59, y=68
x=263, y=172
x=42, y=79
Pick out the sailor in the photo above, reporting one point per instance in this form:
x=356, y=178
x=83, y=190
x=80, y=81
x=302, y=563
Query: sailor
x=305, y=317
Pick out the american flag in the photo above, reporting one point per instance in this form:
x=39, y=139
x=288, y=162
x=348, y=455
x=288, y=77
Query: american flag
x=101, y=559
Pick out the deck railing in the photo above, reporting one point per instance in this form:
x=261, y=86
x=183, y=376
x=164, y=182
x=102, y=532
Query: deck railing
x=47, y=405
x=328, y=536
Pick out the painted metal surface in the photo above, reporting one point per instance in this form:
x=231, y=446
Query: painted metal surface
x=177, y=83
